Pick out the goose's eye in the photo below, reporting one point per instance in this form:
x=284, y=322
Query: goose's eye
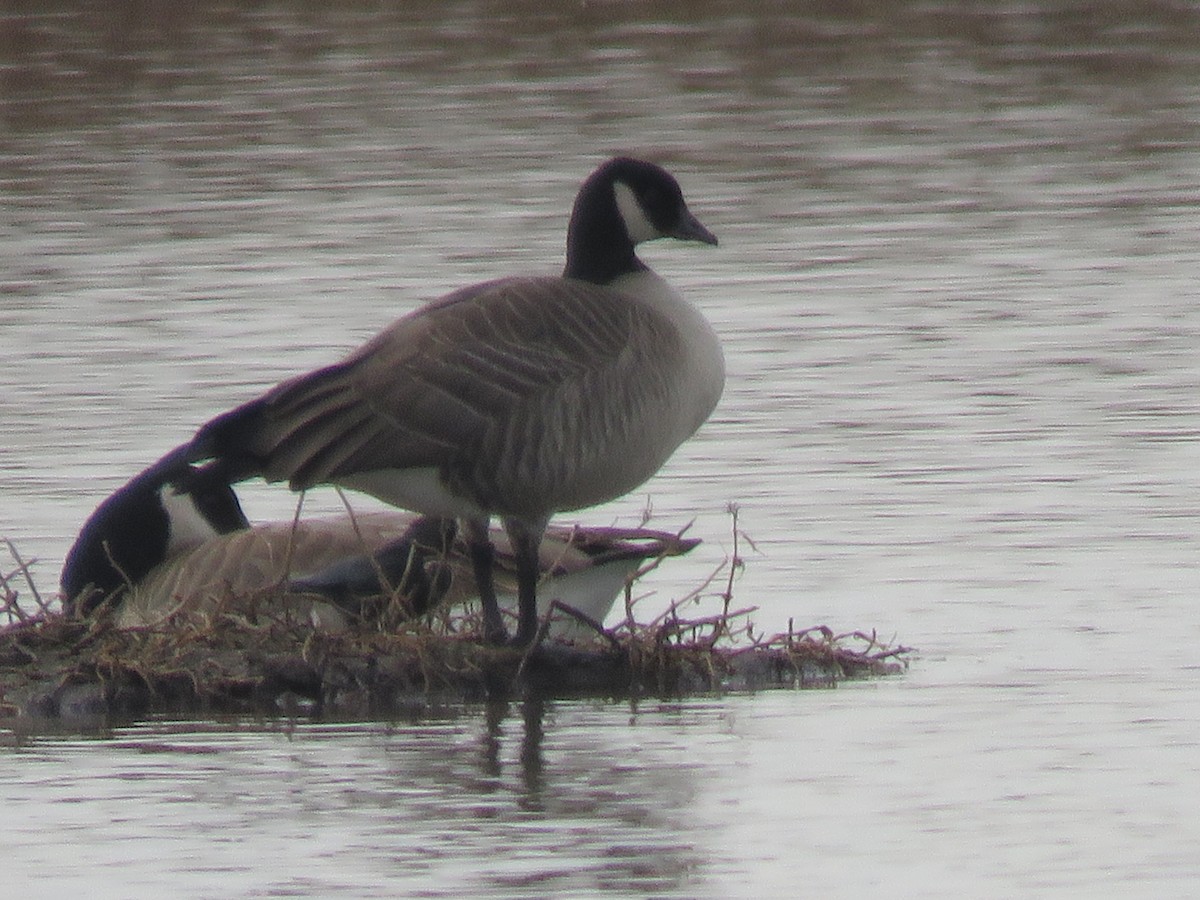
x=652, y=198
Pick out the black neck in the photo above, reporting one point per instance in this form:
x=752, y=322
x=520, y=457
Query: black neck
x=598, y=247
x=123, y=540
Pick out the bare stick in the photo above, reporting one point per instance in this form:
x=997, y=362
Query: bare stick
x=291, y=544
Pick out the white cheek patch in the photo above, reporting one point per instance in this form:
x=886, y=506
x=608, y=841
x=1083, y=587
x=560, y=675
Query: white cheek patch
x=637, y=223
x=186, y=525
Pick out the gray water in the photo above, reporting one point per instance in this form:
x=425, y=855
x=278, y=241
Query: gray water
x=956, y=286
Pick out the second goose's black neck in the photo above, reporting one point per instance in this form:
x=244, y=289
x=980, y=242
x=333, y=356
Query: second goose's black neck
x=120, y=543
x=130, y=532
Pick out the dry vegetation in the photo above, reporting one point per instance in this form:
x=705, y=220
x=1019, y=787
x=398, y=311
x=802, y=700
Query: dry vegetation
x=251, y=658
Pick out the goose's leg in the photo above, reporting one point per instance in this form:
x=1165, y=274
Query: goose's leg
x=526, y=538
x=483, y=555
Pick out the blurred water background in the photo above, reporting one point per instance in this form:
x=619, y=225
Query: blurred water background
x=956, y=286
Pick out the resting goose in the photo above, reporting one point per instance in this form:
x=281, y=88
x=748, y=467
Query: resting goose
x=516, y=398
x=585, y=569
x=328, y=568
x=161, y=513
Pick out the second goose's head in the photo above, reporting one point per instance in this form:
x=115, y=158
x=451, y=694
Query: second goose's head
x=623, y=203
x=165, y=510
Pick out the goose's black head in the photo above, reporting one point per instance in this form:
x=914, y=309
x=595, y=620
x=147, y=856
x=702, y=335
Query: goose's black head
x=168, y=508
x=623, y=203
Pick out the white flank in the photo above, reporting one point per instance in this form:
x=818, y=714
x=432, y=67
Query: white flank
x=420, y=490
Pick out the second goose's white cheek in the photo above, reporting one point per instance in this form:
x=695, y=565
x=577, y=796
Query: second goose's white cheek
x=637, y=224
x=187, y=526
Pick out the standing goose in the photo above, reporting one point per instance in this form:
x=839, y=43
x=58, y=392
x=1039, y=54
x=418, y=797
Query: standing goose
x=515, y=398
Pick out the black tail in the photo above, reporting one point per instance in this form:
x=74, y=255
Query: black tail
x=225, y=442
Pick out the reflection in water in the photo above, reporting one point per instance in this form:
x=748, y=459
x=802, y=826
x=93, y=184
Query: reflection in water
x=496, y=712
x=533, y=708
x=494, y=803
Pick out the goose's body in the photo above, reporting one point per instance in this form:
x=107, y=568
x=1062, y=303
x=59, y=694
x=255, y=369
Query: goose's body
x=319, y=569
x=326, y=570
x=516, y=398
x=248, y=568
x=447, y=414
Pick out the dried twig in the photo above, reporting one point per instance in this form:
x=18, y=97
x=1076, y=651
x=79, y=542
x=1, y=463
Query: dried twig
x=222, y=654
x=12, y=607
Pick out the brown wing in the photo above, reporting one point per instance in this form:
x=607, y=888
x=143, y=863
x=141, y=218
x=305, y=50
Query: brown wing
x=503, y=375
